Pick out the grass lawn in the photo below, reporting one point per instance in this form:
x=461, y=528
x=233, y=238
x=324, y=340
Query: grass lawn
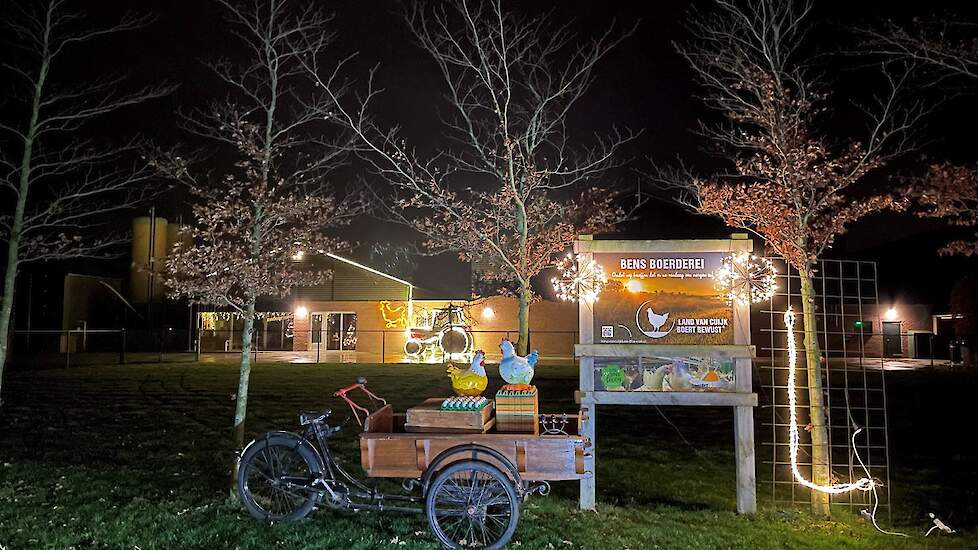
x=136, y=456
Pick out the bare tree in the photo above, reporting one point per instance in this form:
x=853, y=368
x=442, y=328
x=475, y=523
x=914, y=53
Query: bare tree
x=278, y=200
x=56, y=187
x=790, y=181
x=949, y=49
x=949, y=192
x=945, y=45
x=515, y=187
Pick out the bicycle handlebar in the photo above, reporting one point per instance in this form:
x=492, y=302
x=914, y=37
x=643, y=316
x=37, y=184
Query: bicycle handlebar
x=362, y=384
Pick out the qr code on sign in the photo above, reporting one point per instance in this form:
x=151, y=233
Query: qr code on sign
x=607, y=331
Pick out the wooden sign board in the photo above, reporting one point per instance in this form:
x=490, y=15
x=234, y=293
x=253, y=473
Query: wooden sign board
x=660, y=334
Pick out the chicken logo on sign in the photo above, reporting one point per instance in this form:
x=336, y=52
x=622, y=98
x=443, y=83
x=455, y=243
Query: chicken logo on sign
x=645, y=316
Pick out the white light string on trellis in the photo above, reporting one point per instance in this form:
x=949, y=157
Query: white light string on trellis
x=865, y=484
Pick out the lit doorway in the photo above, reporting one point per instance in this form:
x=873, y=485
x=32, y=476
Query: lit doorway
x=892, y=341
x=334, y=331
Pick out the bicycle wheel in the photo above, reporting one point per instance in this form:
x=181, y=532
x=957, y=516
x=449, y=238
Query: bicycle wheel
x=472, y=504
x=275, y=476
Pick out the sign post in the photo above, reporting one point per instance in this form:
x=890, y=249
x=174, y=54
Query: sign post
x=661, y=334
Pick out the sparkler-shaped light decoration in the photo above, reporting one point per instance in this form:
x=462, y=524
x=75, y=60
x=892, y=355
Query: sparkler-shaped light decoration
x=862, y=484
x=744, y=278
x=576, y=281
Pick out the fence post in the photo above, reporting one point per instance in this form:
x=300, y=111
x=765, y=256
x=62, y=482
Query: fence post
x=930, y=349
x=383, y=347
x=68, y=348
x=122, y=346
x=319, y=346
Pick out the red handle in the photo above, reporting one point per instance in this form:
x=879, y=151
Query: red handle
x=341, y=393
x=346, y=389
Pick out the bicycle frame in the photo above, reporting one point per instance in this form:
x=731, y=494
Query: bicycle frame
x=337, y=486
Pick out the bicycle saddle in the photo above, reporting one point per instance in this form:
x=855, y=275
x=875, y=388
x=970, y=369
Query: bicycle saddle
x=313, y=417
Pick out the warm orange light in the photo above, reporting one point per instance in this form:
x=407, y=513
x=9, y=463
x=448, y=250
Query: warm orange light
x=891, y=314
x=634, y=285
x=301, y=312
x=488, y=313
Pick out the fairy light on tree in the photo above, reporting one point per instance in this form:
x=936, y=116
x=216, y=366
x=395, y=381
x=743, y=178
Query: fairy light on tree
x=744, y=278
x=576, y=281
x=862, y=484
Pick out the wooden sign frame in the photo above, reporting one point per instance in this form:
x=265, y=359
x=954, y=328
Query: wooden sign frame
x=742, y=399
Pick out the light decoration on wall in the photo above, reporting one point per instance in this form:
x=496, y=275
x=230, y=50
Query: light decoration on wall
x=745, y=278
x=394, y=316
x=209, y=319
x=579, y=282
x=865, y=484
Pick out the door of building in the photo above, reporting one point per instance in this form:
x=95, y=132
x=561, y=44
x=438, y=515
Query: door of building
x=892, y=343
x=334, y=331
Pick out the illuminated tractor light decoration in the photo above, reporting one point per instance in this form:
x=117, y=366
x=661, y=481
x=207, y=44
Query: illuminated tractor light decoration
x=579, y=282
x=441, y=332
x=744, y=278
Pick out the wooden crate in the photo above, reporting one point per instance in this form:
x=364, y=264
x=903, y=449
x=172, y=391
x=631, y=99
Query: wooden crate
x=428, y=417
x=517, y=411
x=536, y=457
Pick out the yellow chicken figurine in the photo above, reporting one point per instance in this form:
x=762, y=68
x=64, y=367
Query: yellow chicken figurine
x=472, y=381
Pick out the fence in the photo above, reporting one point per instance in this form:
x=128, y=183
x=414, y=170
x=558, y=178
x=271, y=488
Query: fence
x=74, y=347
x=379, y=346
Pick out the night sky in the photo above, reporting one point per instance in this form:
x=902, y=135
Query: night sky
x=644, y=84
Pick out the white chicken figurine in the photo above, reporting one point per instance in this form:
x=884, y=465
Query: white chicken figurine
x=516, y=371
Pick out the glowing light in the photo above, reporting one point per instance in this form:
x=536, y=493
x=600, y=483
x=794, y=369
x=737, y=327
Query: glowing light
x=579, y=282
x=488, y=313
x=891, y=314
x=746, y=279
x=301, y=312
x=634, y=285
x=298, y=256
x=394, y=317
x=862, y=484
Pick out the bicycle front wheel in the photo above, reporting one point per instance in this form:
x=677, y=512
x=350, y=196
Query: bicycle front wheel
x=472, y=504
x=275, y=478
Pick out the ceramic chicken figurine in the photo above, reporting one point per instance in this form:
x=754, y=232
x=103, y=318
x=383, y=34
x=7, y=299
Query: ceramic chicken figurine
x=516, y=371
x=471, y=381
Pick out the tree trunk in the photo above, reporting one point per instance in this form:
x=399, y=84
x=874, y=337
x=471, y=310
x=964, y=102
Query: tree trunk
x=819, y=434
x=6, y=307
x=241, y=400
x=523, y=344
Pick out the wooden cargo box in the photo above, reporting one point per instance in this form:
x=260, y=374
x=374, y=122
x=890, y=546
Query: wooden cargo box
x=428, y=417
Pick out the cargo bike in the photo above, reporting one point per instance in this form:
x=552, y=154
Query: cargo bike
x=469, y=485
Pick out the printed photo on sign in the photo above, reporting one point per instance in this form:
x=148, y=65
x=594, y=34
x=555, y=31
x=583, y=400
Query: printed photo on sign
x=662, y=298
x=706, y=374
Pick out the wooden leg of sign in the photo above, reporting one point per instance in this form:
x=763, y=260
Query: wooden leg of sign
x=587, y=428
x=744, y=441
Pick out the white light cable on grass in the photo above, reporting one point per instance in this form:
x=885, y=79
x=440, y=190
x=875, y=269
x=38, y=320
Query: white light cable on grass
x=865, y=484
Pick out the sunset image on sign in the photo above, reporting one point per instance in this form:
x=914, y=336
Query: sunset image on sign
x=662, y=298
